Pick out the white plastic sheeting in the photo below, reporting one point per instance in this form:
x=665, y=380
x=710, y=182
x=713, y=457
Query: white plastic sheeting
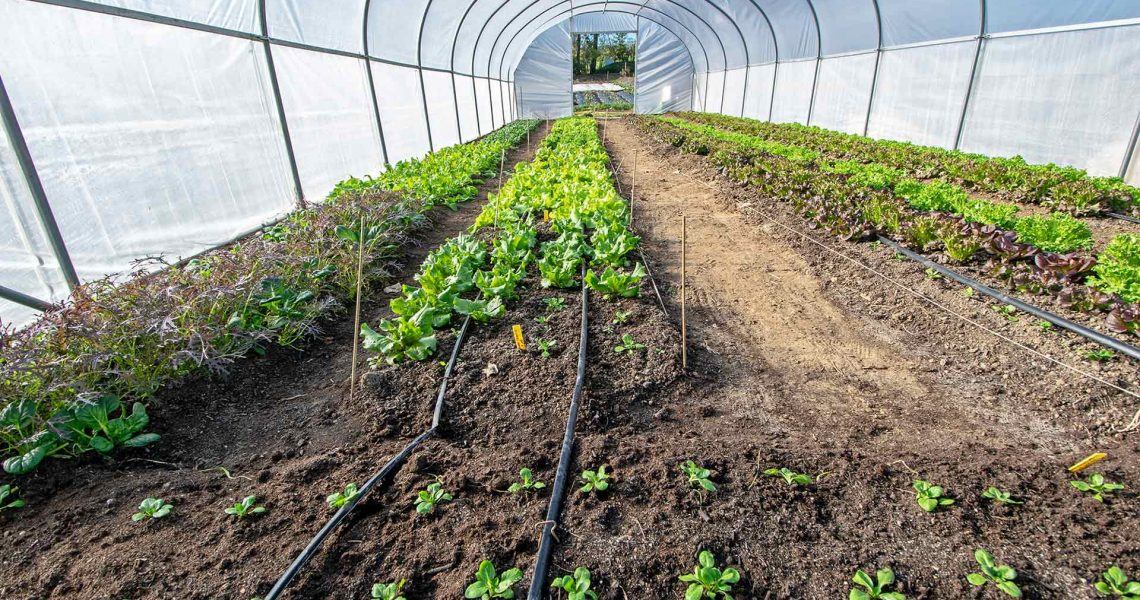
x=843, y=92
x=664, y=74
x=920, y=92
x=401, y=110
x=794, y=82
x=543, y=76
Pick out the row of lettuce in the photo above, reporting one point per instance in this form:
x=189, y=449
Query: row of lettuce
x=1066, y=189
x=566, y=194
x=77, y=379
x=859, y=201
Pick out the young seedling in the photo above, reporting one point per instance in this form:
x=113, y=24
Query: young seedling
x=426, y=500
x=1114, y=582
x=1008, y=311
x=528, y=483
x=339, y=499
x=246, y=507
x=541, y=319
x=1102, y=355
x=1097, y=486
x=152, y=508
x=488, y=584
x=628, y=345
x=874, y=589
x=930, y=496
x=790, y=476
x=1045, y=326
x=698, y=477
x=7, y=491
x=621, y=316
x=544, y=347
x=596, y=480
x=555, y=304
x=1000, y=575
x=576, y=586
x=933, y=274
x=707, y=581
x=999, y=496
x=388, y=591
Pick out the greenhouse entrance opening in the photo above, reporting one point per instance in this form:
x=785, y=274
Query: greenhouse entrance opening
x=604, y=66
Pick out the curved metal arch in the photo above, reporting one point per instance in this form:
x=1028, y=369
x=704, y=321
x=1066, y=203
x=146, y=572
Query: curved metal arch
x=747, y=60
x=878, y=61
x=775, y=65
x=420, y=64
x=818, y=59
x=371, y=82
x=558, y=16
x=724, y=53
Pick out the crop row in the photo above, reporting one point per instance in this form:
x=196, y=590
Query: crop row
x=75, y=380
x=1063, y=188
x=860, y=206
x=567, y=185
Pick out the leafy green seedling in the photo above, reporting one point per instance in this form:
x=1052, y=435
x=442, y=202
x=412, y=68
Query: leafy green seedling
x=1045, y=326
x=933, y=274
x=596, y=480
x=339, y=499
x=7, y=491
x=1097, y=486
x=246, y=507
x=555, y=304
x=930, y=496
x=628, y=345
x=999, y=496
x=544, y=347
x=698, y=477
x=1000, y=575
x=968, y=292
x=1101, y=355
x=426, y=500
x=621, y=316
x=876, y=588
x=899, y=256
x=541, y=319
x=488, y=584
x=1114, y=582
x=576, y=586
x=708, y=581
x=528, y=483
x=388, y=591
x=790, y=476
x=1008, y=311
x=152, y=508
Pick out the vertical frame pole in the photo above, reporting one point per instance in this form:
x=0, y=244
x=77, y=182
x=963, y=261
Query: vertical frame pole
x=39, y=197
x=818, y=60
x=280, y=105
x=973, y=76
x=372, y=84
x=420, y=70
x=875, y=76
x=1131, y=149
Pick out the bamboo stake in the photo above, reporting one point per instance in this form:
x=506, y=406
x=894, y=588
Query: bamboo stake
x=633, y=186
x=684, y=324
x=502, y=161
x=356, y=328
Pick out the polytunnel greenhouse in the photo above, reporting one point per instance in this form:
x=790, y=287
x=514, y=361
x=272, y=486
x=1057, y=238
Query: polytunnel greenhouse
x=581, y=299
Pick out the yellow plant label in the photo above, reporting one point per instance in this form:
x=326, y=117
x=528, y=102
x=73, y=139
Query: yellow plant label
x=1092, y=459
x=546, y=215
x=519, y=341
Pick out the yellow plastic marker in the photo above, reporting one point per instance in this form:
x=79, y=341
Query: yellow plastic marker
x=1088, y=462
x=546, y=215
x=519, y=341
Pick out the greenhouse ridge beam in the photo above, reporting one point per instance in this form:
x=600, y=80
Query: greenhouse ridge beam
x=281, y=118
x=36, y=187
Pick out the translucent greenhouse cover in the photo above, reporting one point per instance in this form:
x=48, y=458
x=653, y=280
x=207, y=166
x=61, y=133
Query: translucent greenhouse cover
x=142, y=128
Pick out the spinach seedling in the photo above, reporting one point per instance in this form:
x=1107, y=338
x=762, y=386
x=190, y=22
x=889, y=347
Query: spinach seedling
x=708, y=581
x=968, y=292
x=152, y=508
x=628, y=345
x=528, y=483
x=933, y=274
x=388, y=591
x=541, y=319
x=7, y=491
x=930, y=496
x=874, y=589
x=339, y=499
x=790, y=476
x=544, y=347
x=596, y=480
x=1045, y=326
x=1102, y=355
x=1000, y=575
x=999, y=496
x=1097, y=486
x=621, y=316
x=555, y=304
x=1114, y=582
x=1008, y=311
x=426, y=500
x=698, y=477
x=246, y=507
x=576, y=586
x=488, y=584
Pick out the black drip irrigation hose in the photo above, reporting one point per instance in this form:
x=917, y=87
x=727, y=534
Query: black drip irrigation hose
x=546, y=545
x=1123, y=217
x=1045, y=315
x=311, y=549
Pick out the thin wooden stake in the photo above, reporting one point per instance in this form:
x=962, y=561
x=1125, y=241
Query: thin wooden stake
x=684, y=324
x=502, y=161
x=528, y=140
x=356, y=329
